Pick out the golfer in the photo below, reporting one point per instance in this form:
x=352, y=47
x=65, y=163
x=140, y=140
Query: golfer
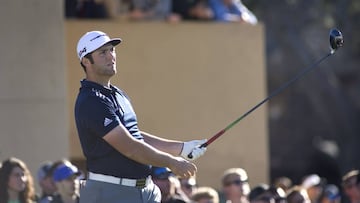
x=118, y=155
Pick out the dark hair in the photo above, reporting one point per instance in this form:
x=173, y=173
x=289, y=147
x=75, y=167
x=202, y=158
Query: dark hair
x=205, y=192
x=25, y=196
x=257, y=191
x=294, y=194
x=88, y=56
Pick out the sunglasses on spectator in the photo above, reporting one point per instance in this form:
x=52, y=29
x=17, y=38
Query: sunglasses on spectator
x=234, y=182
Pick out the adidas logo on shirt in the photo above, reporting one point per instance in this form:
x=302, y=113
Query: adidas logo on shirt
x=107, y=121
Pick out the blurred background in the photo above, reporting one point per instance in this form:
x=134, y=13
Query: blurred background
x=314, y=126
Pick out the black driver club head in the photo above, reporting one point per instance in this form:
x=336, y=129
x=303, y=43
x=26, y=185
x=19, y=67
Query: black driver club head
x=336, y=39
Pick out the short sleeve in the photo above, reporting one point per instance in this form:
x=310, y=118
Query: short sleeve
x=98, y=115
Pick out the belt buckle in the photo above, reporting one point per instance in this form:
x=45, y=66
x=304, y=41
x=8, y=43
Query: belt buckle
x=141, y=183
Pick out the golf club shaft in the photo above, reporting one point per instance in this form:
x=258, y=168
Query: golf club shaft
x=274, y=93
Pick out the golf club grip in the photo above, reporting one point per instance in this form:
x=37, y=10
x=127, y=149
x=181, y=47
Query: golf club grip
x=190, y=156
x=212, y=139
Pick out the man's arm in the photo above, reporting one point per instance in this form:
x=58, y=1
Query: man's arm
x=176, y=148
x=170, y=146
x=144, y=153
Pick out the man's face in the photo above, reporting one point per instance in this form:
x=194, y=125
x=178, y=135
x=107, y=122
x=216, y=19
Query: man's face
x=234, y=187
x=351, y=189
x=48, y=185
x=104, y=60
x=69, y=186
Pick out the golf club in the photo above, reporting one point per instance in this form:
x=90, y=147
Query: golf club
x=336, y=41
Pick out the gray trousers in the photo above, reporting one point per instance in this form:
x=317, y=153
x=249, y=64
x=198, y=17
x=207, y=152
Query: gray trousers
x=93, y=191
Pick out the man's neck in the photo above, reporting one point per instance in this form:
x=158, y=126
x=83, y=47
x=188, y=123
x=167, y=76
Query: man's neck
x=102, y=82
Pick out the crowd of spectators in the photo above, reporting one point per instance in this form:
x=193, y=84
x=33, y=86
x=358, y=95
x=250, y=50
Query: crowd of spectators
x=60, y=182
x=161, y=10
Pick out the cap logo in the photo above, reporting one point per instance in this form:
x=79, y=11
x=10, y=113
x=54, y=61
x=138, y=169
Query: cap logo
x=97, y=37
x=82, y=51
x=91, y=41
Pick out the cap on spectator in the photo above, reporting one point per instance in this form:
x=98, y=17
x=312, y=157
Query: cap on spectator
x=93, y=40
x=44, y=170
x=332, y=192
x=65, y=171
x=311, y=181
x=283, y=182
x=350, y=174
x=161, y=172
x=239, y=172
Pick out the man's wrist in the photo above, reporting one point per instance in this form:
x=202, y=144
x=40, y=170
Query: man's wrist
x=182, y=148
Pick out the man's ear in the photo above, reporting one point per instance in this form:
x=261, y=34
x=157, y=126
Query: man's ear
x=86, y=61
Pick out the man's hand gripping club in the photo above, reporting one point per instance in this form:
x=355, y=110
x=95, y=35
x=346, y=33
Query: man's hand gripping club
x=193, y=147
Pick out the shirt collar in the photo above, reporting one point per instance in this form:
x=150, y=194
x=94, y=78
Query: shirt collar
x=89, y=84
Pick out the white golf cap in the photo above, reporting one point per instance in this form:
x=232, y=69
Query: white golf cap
x=311, y=181
x=93, y=40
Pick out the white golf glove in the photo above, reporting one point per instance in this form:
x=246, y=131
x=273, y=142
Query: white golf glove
x=193, y=147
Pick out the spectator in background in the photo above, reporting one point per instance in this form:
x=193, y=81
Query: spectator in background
x=314, y=187
x=283, y=182
x=192, y=9
x=46, y=182
x=70, y=7
x=96, y=9
x=264, y=193
x=205, y=195
x=235, y=184
x=16, y=182
x=164, y=179
x=277, y=193
x=156, y=10
x=66, y=180
x=188, y=185
x=297, y=194
x=99, y=9
x=232, y=11
x=49, y=180
x=257, y=191
x=331, y=194
x=351, y=186
x=264, y=199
